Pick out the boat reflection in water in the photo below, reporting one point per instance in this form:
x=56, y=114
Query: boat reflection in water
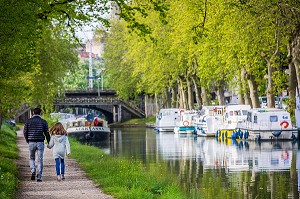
x=233, y=169
x=208, y=168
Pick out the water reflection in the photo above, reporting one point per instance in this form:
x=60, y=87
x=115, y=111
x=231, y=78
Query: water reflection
x=208, y=168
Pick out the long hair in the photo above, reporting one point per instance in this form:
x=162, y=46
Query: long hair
x=58, y=129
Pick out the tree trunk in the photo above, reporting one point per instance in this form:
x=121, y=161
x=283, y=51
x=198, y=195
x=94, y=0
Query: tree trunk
x=245, y=85
x=168, y=98
x=197, y=91
x=241, y=99
x=292, y=78
x=295, y=50
x=204, y=96
x=157, y=106
x=220, y=94
x=182, y=95
x=253, y=92
x=270, y=92
x=190, y=94
x=175, y=103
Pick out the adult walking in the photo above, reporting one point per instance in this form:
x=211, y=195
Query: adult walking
x=35, y=132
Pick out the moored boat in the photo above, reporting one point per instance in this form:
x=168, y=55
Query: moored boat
x=267, y=124
x=87, y=127
x=233, y=115
x=207, y=121
x=166, y=119
x=185, y=124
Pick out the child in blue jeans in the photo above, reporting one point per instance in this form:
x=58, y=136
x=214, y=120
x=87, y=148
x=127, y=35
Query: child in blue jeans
x=61, y=146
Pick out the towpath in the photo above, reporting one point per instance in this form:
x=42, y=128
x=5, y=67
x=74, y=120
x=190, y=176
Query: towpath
x=76, y=184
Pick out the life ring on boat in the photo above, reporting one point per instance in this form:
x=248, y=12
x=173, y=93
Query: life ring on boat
x=284, y=123
x=185, y=123
x=90, y=135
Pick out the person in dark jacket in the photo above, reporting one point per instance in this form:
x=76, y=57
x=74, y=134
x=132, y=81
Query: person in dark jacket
x=35, y=132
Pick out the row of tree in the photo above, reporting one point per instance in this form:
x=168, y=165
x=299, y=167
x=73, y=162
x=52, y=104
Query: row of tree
x=251, y=46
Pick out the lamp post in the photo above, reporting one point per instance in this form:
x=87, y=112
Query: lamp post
x=102, y=79
x=100, y=72
x=98, y=87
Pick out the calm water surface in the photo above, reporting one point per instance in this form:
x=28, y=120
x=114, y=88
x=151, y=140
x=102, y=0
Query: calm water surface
x=208, y=168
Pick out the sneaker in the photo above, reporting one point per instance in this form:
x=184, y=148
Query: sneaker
x=58, y=178
x=63, y=177
x=32, y=176
x=39, y=180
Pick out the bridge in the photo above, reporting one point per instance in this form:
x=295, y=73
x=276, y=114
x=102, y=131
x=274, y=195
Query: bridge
x=105, y=101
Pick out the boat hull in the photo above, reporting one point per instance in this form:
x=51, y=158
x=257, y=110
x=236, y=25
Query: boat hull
x=274, y=134
x=184, y=129
x=204, y=133
x=165, y=128
x=87, y=133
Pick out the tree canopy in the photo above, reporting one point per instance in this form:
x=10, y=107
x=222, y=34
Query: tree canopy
x=210, y=46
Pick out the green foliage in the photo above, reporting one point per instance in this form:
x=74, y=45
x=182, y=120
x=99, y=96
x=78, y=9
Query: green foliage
x=56, y=56
x=38, y=46
x=124, y=178
x=76, y=78
x=8, y=147
x=214, y=39
x=8, y=168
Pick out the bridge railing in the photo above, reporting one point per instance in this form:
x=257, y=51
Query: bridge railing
x=100, y=100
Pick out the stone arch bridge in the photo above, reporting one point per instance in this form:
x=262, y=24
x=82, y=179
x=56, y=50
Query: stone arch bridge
x=115, y=109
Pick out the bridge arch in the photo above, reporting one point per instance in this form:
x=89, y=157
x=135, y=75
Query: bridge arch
x=85, y=109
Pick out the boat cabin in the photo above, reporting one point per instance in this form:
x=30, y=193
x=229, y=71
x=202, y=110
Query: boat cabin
x=268, y=119
x=236, y=113
x=166, y=119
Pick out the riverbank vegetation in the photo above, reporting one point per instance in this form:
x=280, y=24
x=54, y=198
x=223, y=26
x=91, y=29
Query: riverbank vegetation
x=136, y=122
x=125, y=178
x=208, y=49
x=8, y=168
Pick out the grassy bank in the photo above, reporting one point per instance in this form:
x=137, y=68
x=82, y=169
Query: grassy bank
x=135, y=122
x=123, y=178
x=8, y=168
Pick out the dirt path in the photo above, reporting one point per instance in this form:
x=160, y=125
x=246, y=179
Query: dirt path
x=76, y=185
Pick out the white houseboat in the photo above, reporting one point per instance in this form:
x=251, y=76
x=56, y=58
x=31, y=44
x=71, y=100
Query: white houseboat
x=267, y=124
x=166, y=119
x=233, y=115
x=208, y=120
x=185, y=124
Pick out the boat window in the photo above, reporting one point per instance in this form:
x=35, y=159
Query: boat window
x=255, y=119
x=231, y=113
x=249, y=117
x=273, y=118
x=226, y=115
x=244, y=112
x=237, y=112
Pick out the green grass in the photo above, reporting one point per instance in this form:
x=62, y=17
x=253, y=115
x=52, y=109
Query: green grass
x=140, y=121
x=8, y=168
x=123, y=178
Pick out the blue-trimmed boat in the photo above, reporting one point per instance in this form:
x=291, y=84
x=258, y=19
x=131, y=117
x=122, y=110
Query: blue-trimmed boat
x=267, y=124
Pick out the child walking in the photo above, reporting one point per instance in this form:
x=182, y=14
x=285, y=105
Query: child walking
x=61, y=146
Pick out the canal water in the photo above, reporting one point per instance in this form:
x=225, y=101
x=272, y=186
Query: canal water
x=209, y=168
